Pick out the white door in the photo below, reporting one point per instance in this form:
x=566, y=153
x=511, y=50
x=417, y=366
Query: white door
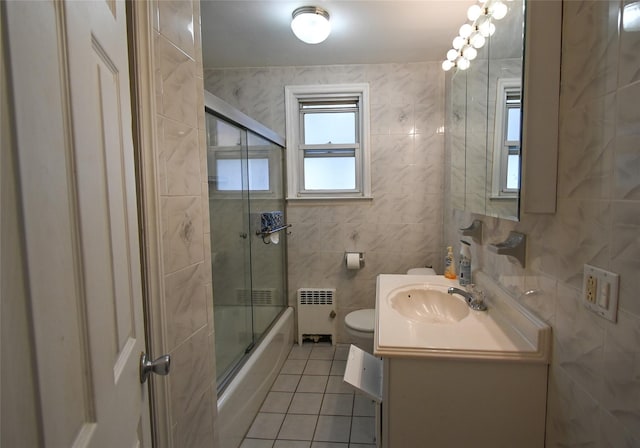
x=70, y=79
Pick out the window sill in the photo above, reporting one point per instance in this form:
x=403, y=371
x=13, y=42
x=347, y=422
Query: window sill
x=330, y=199
x=504, y=198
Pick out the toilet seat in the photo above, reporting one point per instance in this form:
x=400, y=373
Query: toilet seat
x=361, y=320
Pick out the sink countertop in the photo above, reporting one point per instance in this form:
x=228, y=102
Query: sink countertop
x=507, y=331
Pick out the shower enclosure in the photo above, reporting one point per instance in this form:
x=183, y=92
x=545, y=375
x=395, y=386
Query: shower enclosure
x=245, y=170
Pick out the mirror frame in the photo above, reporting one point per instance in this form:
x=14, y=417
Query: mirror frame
x=541, y=106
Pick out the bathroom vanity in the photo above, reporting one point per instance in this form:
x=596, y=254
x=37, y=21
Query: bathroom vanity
x=450, y=376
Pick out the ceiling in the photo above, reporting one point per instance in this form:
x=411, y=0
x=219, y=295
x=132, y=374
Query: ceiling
x=249, y=33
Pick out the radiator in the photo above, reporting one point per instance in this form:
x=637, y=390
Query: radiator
x=316, y=313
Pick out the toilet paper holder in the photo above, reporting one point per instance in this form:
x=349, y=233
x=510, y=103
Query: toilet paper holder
x=354, y=260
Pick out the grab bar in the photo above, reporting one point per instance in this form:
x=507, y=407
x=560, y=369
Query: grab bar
x=264, y=233
x=268, y=230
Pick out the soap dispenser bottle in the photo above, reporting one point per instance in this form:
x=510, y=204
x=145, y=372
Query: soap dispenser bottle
x=465, y=263
x=449, y=265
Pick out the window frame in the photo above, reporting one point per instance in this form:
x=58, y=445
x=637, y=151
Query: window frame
x=294, y=96
x=502, y=146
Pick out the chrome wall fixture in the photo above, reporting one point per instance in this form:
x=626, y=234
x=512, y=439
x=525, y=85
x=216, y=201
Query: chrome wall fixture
x=472, y=36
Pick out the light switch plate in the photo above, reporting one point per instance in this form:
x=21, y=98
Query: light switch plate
x=600, y=292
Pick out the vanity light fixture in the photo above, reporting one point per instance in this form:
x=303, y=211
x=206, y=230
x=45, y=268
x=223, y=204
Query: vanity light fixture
x=310, y=24
x=472, y=36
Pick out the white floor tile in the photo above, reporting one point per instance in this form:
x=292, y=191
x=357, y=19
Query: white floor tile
x=285, y=383
x=338, y=367
x=312, y=383
x=300, y=351
x=336, y=385
x=332, y=428
x=277, y=402
x=322, y=352
x=256, y=443
x=292, y=444
x=318, y=367
x=337, y=404
x=342, y=352
x=363, y=430
x=298, y=427
x=306, y=403
x=318, y=444
x=309, y=383
x=265, y=426
x=364, y=406
x=293, y=366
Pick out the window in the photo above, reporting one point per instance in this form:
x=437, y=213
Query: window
x=506, y=152
x=328, y=141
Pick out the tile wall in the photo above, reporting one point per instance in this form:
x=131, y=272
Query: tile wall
x=183, y=195
x=594, y=388
x=402, y=226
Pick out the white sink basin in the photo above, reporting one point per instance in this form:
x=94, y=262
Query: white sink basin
x=421, y=303
x=416, y=317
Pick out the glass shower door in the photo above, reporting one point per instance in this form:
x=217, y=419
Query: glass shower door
x=230, y=235
x=268, y=262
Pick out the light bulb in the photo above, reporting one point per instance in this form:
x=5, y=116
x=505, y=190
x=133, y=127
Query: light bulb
x=466, y=30
x=458, y=42
x=452, y=55
x=477, y=40
x=469, y=53
x=447, y=65
x=498, y=10
x=487, y=28
x=462, y=63
x=474, y=12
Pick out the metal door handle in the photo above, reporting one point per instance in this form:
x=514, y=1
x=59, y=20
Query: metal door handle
x=159, y=366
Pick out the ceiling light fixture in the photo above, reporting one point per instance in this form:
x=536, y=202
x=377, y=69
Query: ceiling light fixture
x=310, y=24
x=472, y=35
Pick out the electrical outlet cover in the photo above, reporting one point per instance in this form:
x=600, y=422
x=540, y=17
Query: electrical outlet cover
x=601, y=295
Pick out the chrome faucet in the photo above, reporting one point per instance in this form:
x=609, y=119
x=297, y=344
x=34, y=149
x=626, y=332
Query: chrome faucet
x=476, y=304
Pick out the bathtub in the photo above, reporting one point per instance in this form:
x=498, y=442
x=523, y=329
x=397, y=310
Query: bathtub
x=240, y=401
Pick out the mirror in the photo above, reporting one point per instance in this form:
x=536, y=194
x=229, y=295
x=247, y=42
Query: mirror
x=484, y=122
x=502, y=116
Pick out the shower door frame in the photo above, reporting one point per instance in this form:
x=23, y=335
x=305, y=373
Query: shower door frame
x=224, y=111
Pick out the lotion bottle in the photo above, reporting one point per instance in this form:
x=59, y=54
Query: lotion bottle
x=465, y=263
x=449, y=265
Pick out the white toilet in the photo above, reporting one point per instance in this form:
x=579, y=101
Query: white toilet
x=360, y=323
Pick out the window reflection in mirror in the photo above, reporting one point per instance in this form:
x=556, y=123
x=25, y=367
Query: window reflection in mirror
x=506, y=149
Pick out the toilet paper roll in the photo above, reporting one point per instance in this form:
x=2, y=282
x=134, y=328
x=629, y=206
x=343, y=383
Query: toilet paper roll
x=353, y=260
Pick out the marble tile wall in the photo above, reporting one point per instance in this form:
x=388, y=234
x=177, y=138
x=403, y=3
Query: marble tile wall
x=594, y=388
x=402, y=226
x=183, y=201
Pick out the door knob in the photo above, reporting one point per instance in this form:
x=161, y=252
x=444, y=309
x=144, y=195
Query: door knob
x=159, y=366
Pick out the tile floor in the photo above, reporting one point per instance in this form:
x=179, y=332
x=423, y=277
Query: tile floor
x=309, y=406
